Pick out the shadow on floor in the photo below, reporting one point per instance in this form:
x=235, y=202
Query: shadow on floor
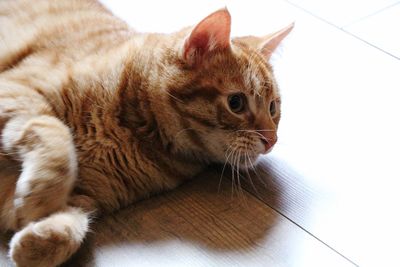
x=197, y=214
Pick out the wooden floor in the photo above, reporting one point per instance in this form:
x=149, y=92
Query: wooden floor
x=328, y=195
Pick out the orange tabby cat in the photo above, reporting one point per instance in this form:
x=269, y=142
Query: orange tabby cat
x=100, y=116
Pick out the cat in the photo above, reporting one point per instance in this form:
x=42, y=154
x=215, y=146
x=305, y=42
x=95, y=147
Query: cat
x=99, y=115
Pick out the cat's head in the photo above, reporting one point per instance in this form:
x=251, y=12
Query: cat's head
x=225, y=93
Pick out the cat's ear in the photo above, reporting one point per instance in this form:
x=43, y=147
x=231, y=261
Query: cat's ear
x=272, y=41
x=267, y=44
x=212, y=33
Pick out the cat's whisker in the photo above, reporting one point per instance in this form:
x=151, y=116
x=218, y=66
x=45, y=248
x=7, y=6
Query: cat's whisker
x=174, y=97
x=246, y=174
x=237, y=173
x=250, y=178
x=262, y=130
x=237, y=163
x=237, y=182
x=230, y=148
x=230, y=164
x=241, y=194
x=233, y=173
x=252, y=132
x=238, y=178
x=258, y=176
x=258, y=134
x=246, y=165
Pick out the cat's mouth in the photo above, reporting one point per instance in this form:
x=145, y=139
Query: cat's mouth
x=268, y=150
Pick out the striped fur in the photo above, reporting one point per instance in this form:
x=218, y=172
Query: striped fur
x=100, y=116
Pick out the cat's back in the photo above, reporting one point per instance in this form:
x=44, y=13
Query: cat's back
x=70, y=29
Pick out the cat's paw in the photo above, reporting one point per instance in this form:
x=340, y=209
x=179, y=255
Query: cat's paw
x=42, y=244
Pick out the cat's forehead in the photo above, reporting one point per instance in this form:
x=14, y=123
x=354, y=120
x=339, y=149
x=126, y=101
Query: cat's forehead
x=241, y=69
x=257, y=73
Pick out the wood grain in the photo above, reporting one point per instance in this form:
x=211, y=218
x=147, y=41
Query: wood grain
x=199, y=225
x=196, y=225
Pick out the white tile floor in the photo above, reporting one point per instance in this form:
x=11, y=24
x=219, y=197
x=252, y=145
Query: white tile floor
x=381, y=30
x=342, y=12
x=374, y=21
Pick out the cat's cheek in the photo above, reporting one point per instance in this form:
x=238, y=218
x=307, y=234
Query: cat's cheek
x=217, y=146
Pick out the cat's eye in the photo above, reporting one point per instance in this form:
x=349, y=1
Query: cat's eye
x=272, y=108
x=237, y=102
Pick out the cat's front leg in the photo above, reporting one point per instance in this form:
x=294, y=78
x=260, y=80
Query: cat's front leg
x=50, y=241
x=49, y=168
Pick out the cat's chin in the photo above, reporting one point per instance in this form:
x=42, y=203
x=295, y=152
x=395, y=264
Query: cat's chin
x=248, y=162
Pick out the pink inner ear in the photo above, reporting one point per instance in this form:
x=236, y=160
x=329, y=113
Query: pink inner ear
x=211, y=33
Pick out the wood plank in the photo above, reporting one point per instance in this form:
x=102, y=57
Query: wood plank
x=197, y=225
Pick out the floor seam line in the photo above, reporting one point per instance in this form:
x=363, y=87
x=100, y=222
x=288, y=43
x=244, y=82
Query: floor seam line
x=340, y=29
x=370, y=15
x=302, y=228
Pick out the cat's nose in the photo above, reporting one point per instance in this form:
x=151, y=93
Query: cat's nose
x=269, y=139
x=268, y=144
